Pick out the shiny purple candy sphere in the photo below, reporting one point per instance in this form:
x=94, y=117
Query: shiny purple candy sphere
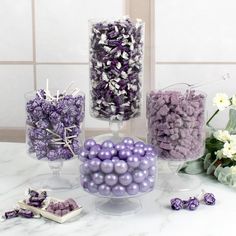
x=119, y=169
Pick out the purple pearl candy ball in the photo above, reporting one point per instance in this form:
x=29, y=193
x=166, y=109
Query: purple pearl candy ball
x=133, y=161
x=115, y=159
x=94, y=150
x=151, y=181
x=132, y=189
x=120, y=167
x=89, y=143
x=104, y=154
x=138, y=176
x=83, y=155
x=104, y=190
x=84, y=180
x=139, y=144
x=125, y=179
x=144, y=164
x=144, y=186
x=120, y=146
x=118, y=190
x=152, y=170
x=139, y=151
x=107, y=166
x=107, y=144
x=113, y=151
x=111, y=179
x=98, y=178
x=92, y=187
x=94, y=164
x=148, y=148
x=146, y=173
x=125, y=153
x=84, y=168
x=128, y=141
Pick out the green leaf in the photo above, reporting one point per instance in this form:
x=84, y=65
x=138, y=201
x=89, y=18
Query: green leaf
x=213, y=144
x=231, y=125
x=194, y=167
x=212, y=167
x=207, y=161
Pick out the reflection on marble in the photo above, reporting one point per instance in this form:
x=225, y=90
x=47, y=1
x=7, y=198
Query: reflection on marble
x=155, y=218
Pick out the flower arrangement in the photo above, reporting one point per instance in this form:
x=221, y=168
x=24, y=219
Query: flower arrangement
x=219, y=159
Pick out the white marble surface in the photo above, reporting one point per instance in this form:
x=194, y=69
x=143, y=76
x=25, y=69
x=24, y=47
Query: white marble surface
x=155, y=218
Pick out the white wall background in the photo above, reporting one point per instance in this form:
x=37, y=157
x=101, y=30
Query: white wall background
x=195, y=41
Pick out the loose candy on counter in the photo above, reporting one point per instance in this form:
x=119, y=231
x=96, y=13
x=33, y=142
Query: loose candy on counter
x=116, y=53
x=62, y=208
x=54, y=124
x=124, y=171
x=176, y=123
x=19, y=212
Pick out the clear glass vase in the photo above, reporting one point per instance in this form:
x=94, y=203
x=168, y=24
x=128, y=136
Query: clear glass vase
x=176, y=127
x=54, y=133
x=116, y=65
x=117, y=175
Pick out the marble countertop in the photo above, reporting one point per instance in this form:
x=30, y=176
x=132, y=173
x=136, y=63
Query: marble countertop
x=154, y=219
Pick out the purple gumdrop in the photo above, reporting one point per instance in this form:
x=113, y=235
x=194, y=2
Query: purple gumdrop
x=98, y=178
x=104, y=154
x=120, y=167
x=128, y=141
x=132, y=189
x=133, y=161
x=108, y=144
x=144, y=186
x=144, y=164
x=89, y=143
x=125, y=179
x=139, y=151
x=111, y=179
x=104, y=190
x=107, y=166
x=118, y=190
x=92, y=187
x=94, y=164
x=125, y=153
x=138, y=176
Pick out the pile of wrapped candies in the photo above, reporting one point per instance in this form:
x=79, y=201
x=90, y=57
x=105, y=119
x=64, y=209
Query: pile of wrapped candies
x=121, y=169
x=176, y=123
x=54, y=124
x=62, y=208
x=36, y=199
x=116, y=51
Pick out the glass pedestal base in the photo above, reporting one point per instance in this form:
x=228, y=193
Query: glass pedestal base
x=173, y=181
x=118, y=206
x=55, y=183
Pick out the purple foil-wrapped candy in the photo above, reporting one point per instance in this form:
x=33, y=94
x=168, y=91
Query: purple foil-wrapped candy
x=176, y=204
x=26, y=213
x=11, y=214
x=209, y=199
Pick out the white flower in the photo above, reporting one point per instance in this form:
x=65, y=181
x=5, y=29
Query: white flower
x=221, y=100
x=219, y=154
x=229, y=149
x=222, y=135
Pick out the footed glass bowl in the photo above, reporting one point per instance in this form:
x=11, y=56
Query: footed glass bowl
x=117, y=172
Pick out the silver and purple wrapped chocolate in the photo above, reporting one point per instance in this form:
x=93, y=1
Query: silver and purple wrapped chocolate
x=176, y=123
x=116, y=64
x=54, y=124
x=117, y=170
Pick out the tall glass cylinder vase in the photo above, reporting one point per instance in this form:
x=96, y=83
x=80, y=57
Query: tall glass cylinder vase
x=54, y=133
x=176, y=127
x=116, y=64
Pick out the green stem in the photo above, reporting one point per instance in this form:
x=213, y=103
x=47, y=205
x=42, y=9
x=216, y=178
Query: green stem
x=215, y=113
